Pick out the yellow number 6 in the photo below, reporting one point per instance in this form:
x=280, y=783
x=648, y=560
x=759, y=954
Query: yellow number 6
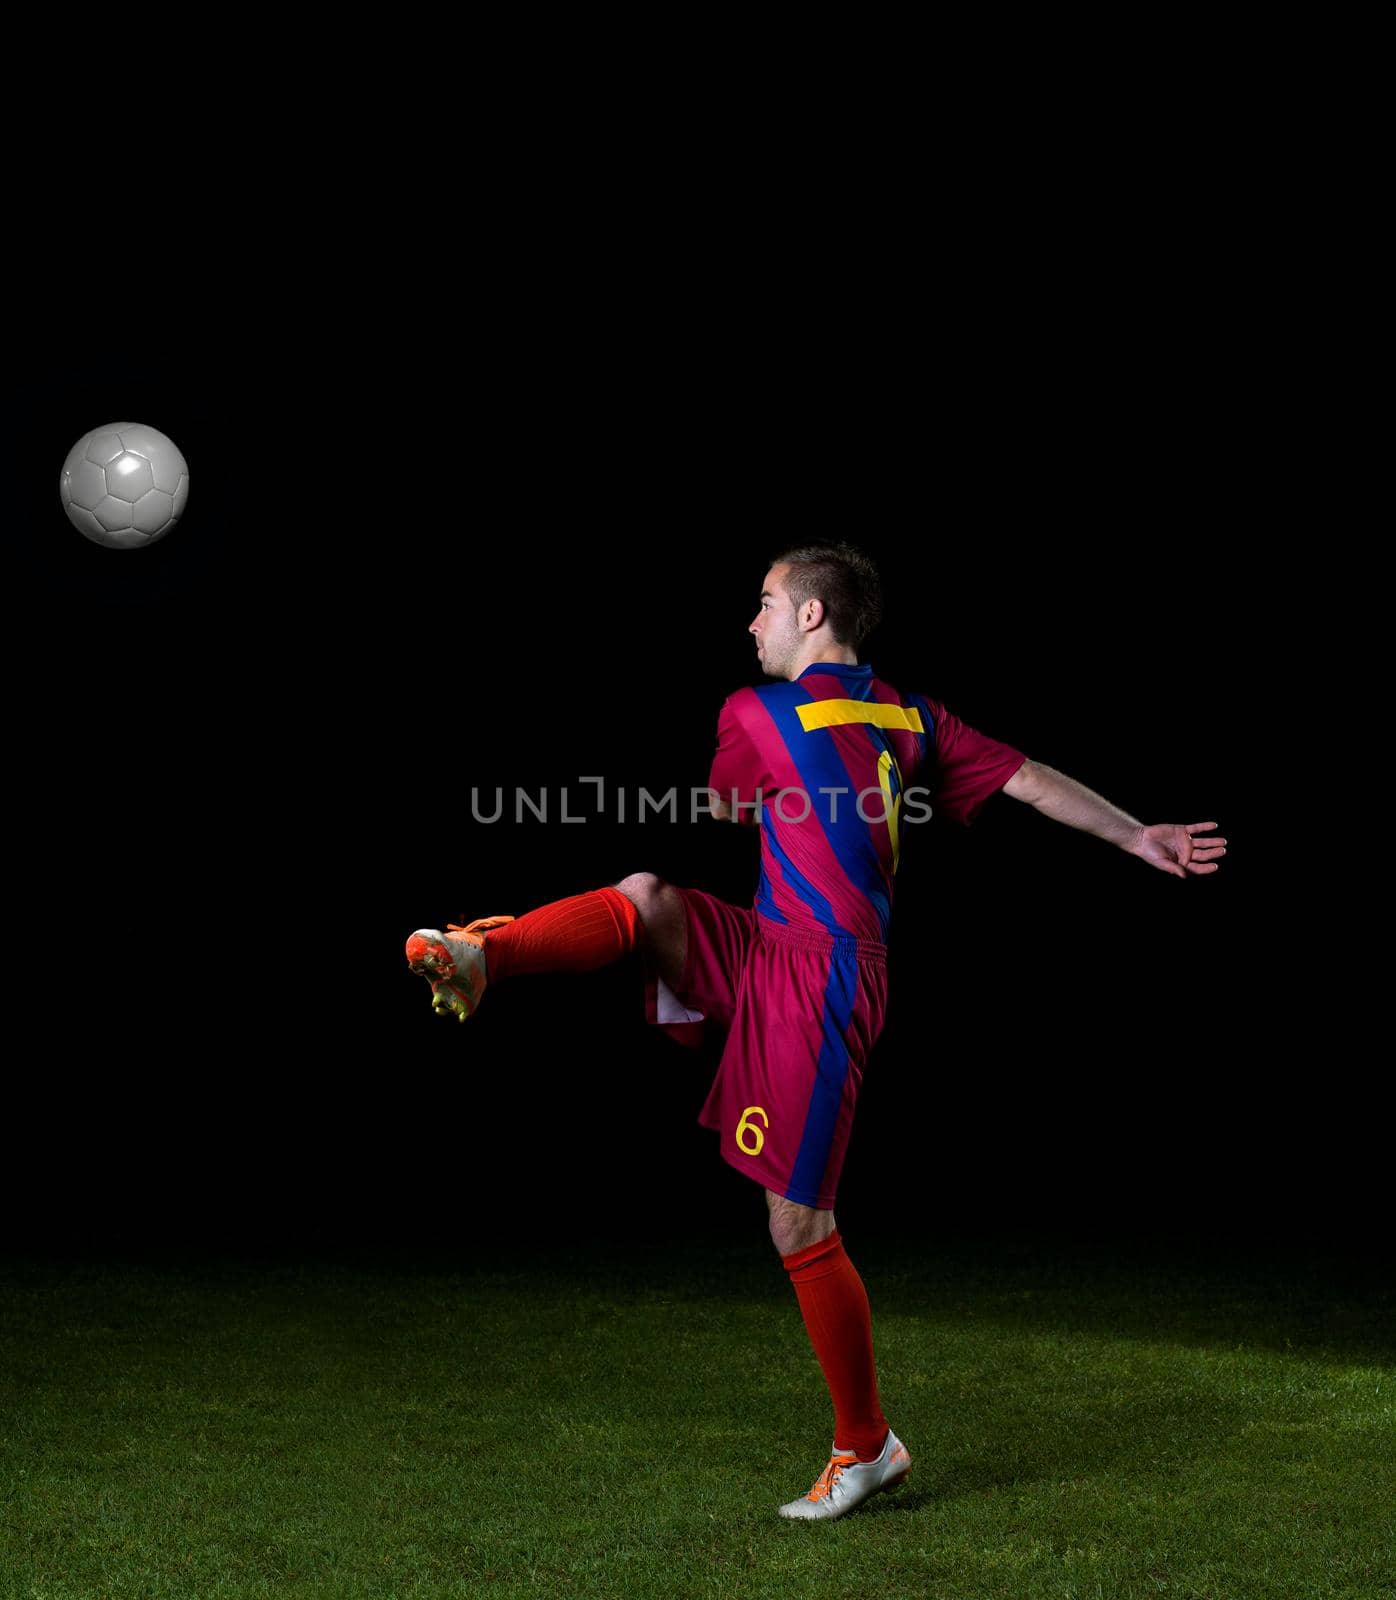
x=750, y=1127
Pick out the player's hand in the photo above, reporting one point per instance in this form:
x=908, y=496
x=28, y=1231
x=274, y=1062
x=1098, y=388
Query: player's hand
x=1174, y=847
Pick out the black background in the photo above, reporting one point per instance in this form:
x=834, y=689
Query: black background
x=492, y=508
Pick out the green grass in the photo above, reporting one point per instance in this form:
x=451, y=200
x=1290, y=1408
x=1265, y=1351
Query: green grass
x=596, y=1423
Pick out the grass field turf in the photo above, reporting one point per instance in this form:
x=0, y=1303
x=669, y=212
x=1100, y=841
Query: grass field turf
x=613, y=1421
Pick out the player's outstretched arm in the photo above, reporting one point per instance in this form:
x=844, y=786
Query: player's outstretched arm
x=1172, y=847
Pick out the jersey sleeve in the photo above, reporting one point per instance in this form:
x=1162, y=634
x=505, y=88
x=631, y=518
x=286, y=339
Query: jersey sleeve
x=968, y=767
x=737, y=762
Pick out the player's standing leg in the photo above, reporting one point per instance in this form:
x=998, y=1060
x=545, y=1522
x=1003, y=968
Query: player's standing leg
x=867, y=1456
x=578, y=934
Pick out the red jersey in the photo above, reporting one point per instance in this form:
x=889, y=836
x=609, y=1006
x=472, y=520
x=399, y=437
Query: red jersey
x=829, y=757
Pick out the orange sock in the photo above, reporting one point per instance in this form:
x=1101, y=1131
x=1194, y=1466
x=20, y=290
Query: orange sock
x=836, y=1312
x=578, y=934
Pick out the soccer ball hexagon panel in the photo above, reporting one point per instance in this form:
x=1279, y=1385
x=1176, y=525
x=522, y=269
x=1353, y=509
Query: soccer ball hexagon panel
x=124, y=485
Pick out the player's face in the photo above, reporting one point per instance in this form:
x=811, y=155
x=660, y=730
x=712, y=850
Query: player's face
x=777, y=637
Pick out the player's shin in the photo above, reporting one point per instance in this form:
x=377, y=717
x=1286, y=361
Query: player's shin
x=835, y=1307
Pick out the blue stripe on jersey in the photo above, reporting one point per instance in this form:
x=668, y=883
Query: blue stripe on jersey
x=819, y=764
x=803, y=889
x=882, y=742
x=765, y=899
x=928, y=739
x=821, y=1119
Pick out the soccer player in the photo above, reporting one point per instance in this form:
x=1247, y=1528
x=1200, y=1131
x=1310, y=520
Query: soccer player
x=821, y=759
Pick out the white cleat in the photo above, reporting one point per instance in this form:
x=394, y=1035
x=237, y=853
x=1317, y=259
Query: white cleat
x=846, y=1482
x=453, y=963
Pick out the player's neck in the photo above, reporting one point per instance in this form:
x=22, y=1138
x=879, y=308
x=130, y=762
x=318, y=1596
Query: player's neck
x=839, y=654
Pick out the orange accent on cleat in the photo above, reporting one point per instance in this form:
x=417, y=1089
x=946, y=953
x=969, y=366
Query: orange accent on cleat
x=829, y=1477
x=468, y=931
x=429, y=956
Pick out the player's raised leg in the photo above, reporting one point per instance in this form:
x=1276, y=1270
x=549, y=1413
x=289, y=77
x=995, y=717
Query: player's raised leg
x=577, y=934
x=666, y=927
x=867, y=1456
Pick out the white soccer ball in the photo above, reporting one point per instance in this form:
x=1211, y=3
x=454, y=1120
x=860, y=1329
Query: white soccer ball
x=124, y=485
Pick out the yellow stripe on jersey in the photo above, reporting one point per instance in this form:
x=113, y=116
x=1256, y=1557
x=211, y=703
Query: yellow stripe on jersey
x=835, y=713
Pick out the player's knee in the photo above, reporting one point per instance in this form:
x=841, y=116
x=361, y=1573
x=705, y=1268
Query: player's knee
x=645, y=890
x=788, y=1236
x=796, y=1227
x=662, y=913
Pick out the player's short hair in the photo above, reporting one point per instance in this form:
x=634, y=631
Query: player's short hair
x=844, y=578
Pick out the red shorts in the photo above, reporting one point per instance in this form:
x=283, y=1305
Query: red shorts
x=802, y=1011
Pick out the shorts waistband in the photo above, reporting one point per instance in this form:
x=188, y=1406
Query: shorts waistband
x=817, y=939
